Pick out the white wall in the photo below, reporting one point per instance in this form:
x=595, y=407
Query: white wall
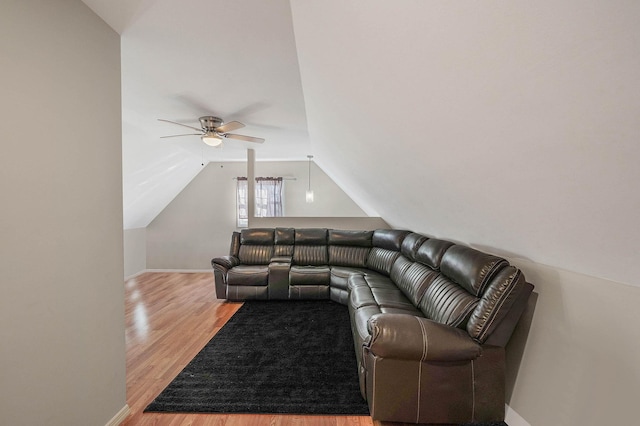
x=61, y=257
x=329, y=199
x=361, y=223
x=512, y=127
x=135, y=251
x=580, y=365
x=197, y=225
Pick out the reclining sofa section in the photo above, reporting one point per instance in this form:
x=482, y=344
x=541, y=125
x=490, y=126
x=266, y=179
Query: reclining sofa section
x=429, y=318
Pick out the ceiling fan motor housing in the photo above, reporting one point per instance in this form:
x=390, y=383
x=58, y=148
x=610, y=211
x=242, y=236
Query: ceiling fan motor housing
x=209, y=123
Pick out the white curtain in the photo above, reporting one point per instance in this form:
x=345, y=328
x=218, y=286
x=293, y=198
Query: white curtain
x=242, y=211
x=268, y=202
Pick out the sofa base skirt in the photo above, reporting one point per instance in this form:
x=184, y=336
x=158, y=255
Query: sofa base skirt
x=247, y=292
x=411, y=391
x=308, y=292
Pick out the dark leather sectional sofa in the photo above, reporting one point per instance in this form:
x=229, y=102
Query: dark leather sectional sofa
x=430, y=318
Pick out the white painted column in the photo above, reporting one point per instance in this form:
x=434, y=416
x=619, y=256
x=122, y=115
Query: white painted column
x=251, y=183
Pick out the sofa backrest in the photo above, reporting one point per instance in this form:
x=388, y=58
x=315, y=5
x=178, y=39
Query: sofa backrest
x=470, y=268
x=411, y=244
x=284, y=239
x=310, y=247
x=473, y=291
x=430, y=253
x=495, y=303
x=256, y=246
x=447, y=303
x=386, y=246
x=349, y=248
x=234, y=250
x=455, y=294
x=411, y=277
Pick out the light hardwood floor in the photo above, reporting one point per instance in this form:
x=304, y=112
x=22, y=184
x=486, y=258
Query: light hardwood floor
x=169, y=318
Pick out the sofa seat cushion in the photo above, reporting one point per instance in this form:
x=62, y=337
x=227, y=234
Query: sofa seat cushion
x=371, y=280
x=361, y=296
x=405, y=310
x=383, y=297
x=248, y=275
x=310, y=275
x=391, y=298
x=340, y=275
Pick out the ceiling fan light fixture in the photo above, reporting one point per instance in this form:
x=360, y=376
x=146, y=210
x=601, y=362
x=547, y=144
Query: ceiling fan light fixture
x=212, y=140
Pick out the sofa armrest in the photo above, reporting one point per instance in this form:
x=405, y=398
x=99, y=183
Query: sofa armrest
x=225, y=262
x=279, y=277
x=401, y=336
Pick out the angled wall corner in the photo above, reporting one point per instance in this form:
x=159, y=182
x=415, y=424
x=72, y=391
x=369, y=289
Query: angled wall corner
x=197, y=225
x=62, y=310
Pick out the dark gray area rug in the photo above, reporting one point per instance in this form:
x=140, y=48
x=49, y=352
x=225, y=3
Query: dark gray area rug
x=274, y=357
x=280, y=357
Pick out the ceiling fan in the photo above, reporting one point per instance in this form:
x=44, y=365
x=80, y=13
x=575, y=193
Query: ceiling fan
x=214, y=130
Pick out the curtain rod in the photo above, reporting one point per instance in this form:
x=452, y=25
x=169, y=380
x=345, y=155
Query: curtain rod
x=283, y=178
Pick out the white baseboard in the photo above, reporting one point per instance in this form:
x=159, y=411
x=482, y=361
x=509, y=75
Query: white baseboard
x=514, y=419
x=135, y=275
x=182, y=271
x=120, y=416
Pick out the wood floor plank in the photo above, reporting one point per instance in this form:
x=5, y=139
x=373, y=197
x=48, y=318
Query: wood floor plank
x=169, y=318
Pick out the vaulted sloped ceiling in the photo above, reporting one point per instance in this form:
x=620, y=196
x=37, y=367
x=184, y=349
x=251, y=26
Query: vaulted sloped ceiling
x=182, y=59
x=510, y=126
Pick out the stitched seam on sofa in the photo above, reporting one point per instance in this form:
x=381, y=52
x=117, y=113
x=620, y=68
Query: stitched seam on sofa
x=425, y=351
x=471, y=306
x=425, y=340
x=490, y=272
x=473, y=392
x=498, y=306
x=419, y=389
x=374, y=387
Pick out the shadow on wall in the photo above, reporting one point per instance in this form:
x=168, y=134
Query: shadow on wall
x=514, y=351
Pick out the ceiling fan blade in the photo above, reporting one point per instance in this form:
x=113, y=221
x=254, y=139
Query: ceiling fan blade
x=230, y=126
x=243, y=138
x=180, y=124
x=187, y=134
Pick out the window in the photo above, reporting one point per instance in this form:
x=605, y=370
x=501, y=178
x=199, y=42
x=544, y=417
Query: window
x=268, y=199
x=242, y=209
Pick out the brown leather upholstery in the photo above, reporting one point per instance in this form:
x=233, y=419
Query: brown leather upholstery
x=472, y=269
x=389, y=239
x=381, y=260
x=431, y=252
x=411, y=244
x=235, y=244
x=447, y=303
x=429, y=318
x=495, y=303
x=283, y=240
x=256, y=246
